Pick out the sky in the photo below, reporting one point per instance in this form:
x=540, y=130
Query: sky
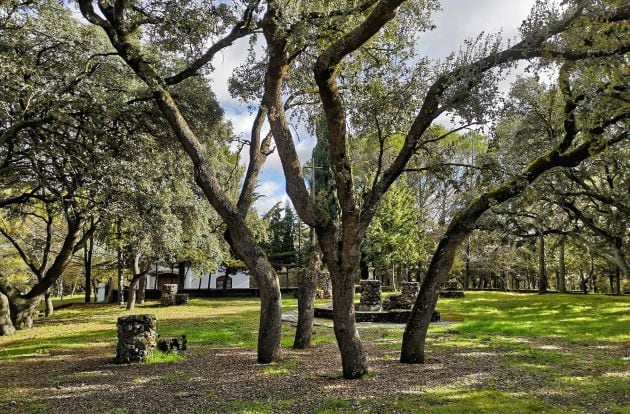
x=457, y=21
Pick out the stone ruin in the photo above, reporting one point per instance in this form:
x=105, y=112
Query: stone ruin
x=370, y=296
x=136, y=338
x=451, y=290
x=172, y=344
x=170, y=297
x=324, y=286
x=406, y=299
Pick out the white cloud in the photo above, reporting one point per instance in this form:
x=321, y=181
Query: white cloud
x=461, y=19
x=270, y=193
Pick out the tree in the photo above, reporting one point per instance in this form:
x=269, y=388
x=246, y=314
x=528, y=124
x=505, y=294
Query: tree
x=122, y=24
x=339, y=41
x=592, y=122
x=457, y=88
x=47, y=175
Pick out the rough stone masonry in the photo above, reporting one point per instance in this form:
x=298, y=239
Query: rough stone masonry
x=137, y=336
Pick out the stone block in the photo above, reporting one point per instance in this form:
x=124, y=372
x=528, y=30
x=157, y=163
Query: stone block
x=170, y=289
x=172, y=344
x=182, y=299
x=168, y=299
x=370, y=296
x=136, y=338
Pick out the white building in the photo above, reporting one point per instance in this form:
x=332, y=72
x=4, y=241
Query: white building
x=196, y=280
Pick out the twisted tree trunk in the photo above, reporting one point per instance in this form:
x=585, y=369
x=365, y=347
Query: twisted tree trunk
x=23, y=311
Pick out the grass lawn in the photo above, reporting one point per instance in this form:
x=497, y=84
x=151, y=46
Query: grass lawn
x=502, y=353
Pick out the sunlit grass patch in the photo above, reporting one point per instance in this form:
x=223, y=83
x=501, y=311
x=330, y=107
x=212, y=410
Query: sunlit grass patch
x=443, y=400
x=158, y=357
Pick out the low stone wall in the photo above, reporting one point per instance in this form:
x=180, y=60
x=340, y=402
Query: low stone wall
x=452, y=294
x=136, y=338
x=392, y=316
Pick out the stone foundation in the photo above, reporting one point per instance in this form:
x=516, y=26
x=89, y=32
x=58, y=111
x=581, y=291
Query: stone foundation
x=370, y=296
x=392, y=316
x=182, y=299
x=452, y=294
x=451, y=290
x=409, y=291
x=136, y=338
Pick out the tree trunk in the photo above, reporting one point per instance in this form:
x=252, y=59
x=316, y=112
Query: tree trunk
x=269, y=329
x=562, y=270
x=6, y=325
x=307, y=288
x=88, y=249
x=120, y=258
x=131, y=296
x=467, y=274
x=49, y=308
x=181, y=275
x=542, y=271
x=23, y=311
x=121, y=280
x=142, y=286
x=353, y=356
x=618, y=280
x=412, y=350
x=110, y=291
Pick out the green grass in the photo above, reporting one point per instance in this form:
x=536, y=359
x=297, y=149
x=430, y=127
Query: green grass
x=574, y=318
x=558, y=344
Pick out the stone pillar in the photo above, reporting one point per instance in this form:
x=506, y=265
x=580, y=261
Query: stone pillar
x=169, y=295
x=370, y=296
x=136, y=338
x=409, y=291
x=324, y=286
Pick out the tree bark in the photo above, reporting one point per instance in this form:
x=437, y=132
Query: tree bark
x=181, y=275
x=88, y=250
x=23, y=311
x=131, y=296
x=6, y=325
x=467, y=272
x=542, y=271
x=562, y=270
x=142, y=286
x=307, y=288
x=119, y=264
x=49, y=308
x=412, y=351
x=353, y=356
x=140, y=269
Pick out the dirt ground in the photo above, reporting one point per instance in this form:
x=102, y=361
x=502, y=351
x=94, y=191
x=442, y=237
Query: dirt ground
x=217, y=380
